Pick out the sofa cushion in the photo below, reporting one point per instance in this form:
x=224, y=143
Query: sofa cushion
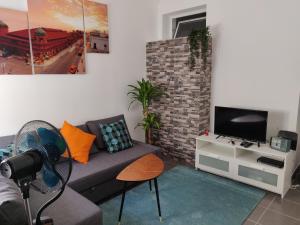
x=70, y=209
x=115, y=136
x=12, y=210
x=79, y=142
x=95, y=129
x=85, y=128
x=94, y=148
x=104, y=166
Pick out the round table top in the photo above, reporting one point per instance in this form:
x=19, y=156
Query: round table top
x=145, y=168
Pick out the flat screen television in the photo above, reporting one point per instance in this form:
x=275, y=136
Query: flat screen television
x=246, y=124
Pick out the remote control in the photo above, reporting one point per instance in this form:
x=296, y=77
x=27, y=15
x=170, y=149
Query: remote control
x=246, y=144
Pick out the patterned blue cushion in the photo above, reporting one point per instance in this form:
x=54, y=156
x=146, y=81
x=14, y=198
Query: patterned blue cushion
x=116, y=136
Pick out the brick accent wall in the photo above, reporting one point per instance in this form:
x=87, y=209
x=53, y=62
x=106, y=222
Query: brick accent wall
x=185, y=111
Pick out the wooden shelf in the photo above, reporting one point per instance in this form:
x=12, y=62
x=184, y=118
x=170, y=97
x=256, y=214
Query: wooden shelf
x=251, y=158
x=217, y=150
x=265, y=150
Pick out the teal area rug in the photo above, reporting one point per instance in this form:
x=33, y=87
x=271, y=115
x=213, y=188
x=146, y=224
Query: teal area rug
x=187, y=197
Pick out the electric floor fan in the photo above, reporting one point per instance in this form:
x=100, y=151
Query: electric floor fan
x=38, y=149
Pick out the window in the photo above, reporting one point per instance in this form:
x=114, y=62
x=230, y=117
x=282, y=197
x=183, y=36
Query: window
x=183, y=26
x=180, y=23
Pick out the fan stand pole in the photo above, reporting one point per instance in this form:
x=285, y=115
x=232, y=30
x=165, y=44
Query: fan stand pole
x=28, y=211
x=24, y=188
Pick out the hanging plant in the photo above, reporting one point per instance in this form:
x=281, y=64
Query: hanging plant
x=195, y=39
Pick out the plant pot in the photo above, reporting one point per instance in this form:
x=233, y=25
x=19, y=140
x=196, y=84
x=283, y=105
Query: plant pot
x=149, y=137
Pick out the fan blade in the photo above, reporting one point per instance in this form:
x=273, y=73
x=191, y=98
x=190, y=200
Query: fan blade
x=52, y=152
x=49, y=177
x=28, y=141
x=49, y=137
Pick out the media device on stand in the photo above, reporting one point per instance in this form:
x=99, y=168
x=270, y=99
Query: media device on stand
x=284, y=141
x=245, y=124
x=38, y=148
x=292, y=136
x=280, y=144
x=271, y=162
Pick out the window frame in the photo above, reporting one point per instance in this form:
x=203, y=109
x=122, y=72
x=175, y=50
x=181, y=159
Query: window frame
x=186, y=21
x=167, y=20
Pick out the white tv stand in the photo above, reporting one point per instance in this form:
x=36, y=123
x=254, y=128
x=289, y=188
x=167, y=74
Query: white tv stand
x=221, y=157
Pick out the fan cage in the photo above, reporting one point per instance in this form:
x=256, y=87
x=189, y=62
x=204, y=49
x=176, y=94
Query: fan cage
x=21, y=145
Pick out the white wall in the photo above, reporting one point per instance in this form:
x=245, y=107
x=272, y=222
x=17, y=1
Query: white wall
x=100, y=93
x=255, y=64
x=14, y=4
x=255, y=55
x=298, y=131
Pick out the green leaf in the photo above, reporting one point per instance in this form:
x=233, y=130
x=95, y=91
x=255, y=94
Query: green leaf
x=197, y=37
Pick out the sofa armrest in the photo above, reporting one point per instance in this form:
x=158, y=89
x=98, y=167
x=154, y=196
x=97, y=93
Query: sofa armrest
x=70, y=209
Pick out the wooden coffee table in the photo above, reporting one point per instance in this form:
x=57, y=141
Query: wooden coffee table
x=146, y=168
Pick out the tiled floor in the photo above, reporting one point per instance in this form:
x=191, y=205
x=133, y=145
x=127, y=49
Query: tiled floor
x=272, y=210
x=276, y=211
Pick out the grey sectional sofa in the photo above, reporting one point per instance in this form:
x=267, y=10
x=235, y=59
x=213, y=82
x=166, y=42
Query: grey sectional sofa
x=89, y=183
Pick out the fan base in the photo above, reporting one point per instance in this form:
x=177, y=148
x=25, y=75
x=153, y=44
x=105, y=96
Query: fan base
x=45, y=221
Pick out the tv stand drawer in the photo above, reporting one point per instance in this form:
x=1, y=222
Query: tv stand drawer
x=258, y=175
x=215, y=163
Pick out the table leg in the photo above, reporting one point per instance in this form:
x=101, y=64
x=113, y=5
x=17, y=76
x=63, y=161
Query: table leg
x=122, y=203
x=157, y=199
x=150, y=185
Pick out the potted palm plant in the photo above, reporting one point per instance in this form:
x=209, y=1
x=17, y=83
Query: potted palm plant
x=144, y=92
x=149, y=123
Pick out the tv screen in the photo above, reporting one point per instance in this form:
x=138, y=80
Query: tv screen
x=241, y=123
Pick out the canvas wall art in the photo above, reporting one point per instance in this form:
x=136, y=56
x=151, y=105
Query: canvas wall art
x=53, y=37
x=57, y=36
x=96, y=27
x=15, y=55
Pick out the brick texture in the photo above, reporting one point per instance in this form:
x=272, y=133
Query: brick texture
x=185, y=111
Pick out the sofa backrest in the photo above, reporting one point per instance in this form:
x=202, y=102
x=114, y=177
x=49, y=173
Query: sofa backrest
x=6, y=140
x=89, y=127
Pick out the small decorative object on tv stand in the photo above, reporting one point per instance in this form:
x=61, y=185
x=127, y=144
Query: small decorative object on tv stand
x=219, y=157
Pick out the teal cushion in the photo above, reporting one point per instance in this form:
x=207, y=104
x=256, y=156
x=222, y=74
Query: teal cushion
x=5, y=153
x=116, y=136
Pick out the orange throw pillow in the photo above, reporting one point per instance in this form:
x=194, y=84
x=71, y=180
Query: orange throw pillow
x=79, y=142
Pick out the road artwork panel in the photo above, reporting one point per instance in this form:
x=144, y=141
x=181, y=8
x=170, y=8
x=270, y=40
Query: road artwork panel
x=15, y=56
x=57, y=36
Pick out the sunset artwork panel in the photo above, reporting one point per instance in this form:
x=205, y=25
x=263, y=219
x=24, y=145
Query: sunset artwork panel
x=57, y=36
x=15, y=57
x=96, y=27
